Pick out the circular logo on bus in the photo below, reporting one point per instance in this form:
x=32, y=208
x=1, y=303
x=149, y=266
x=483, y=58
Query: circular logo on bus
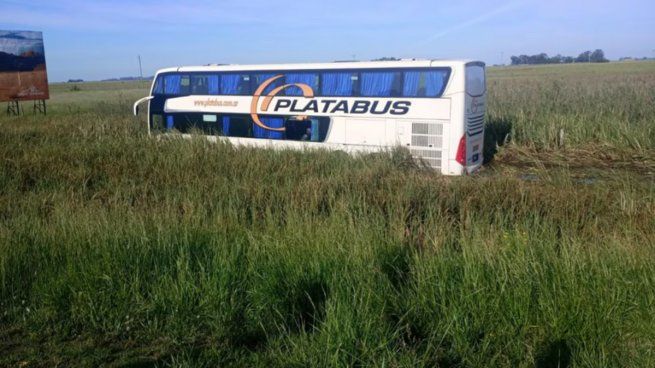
x=307, y=92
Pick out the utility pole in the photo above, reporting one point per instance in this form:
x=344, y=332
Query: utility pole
x=502, y=58
x=140, y=68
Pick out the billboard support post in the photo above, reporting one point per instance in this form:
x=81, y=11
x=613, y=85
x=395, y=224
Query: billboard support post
x=40, y=107
x=13, y=108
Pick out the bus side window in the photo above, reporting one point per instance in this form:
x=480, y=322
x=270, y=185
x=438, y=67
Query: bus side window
x=158, y=89
x=199, y=85
x=380, y=84
x=185, y=85
x=338, y=84
x=260, y=78
x=234, y=84
x=314, y=129
x=310, y=79
x=424, y=83
x=239, y=126
x=315, y=133
x=296, y=129
x=396, y=85
x=213, y=84
x=172, y=84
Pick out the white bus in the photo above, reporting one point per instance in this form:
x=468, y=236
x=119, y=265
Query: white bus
x=435, y=108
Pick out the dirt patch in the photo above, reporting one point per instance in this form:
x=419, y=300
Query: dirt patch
x=579, y=161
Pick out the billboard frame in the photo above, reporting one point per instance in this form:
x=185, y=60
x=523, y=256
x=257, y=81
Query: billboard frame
x=23, y=70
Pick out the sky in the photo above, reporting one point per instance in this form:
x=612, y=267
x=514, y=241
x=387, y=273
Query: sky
x=101, y=39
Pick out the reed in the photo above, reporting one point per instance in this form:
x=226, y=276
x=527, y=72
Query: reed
x=118, y=249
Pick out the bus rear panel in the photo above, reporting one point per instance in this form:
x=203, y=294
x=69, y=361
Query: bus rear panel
x=474, y=117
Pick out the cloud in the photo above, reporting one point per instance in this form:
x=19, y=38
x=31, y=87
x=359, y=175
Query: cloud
x=473, y=21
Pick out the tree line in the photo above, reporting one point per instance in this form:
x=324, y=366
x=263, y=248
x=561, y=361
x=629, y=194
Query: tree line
x=597, y=56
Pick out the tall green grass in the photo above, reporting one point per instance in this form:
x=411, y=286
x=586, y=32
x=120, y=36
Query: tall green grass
x=608, y=105
x=122, y=250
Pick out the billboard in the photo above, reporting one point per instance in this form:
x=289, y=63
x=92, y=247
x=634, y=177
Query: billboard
x=23, y=73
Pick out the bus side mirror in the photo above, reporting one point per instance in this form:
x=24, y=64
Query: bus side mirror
x=135, y=108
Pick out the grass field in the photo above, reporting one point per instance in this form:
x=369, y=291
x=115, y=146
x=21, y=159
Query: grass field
x=125, y=251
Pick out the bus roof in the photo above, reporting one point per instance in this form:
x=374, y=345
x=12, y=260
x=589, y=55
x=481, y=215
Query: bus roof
x=411, y=63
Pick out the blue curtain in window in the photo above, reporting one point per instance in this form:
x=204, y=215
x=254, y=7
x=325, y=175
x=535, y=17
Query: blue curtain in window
x=226, y=125
x=337, y=84
x=261, y=78
x=172, y=84
x=159, y=86
x=306, y=78
x=212, y=84
x=410, y=86
x=170, y=123
x=272, y=122
x=434, y=83
x=230, y=84
x=377, y=84
x=314, y=130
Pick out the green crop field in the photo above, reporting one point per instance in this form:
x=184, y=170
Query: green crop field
x=120, y=250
